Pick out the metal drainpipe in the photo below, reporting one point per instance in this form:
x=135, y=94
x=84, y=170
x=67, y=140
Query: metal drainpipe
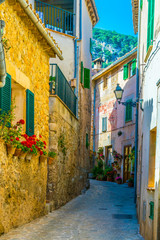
x=2, y=55
x=75, y=51
x=137, y=108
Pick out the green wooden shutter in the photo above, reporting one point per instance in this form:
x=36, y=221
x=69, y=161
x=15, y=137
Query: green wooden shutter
x=5, y=96
x=86, y=78
x=104, y=124
x=128, y=112
x=150, y=27
x=82, y=70
x=91, y=45
x=151, y=210
x=133, y=67
x=125, y=72
x=29, y=113
x=141, y=4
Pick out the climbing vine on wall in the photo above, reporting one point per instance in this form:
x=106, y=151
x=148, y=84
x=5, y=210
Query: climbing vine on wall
x=62, y=144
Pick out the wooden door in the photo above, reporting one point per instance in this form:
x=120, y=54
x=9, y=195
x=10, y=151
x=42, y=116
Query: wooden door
x=127, y=163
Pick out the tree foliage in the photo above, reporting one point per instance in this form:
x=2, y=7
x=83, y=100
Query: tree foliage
x=111, y=45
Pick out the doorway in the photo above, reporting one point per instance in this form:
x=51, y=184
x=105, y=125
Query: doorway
x=127, y=163
x=109, y=156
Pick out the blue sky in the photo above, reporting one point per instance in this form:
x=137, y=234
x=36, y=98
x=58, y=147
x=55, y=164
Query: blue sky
x=115, y=15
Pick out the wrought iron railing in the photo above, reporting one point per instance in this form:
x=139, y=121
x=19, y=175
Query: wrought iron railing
x=55, y=18
x=60, y=86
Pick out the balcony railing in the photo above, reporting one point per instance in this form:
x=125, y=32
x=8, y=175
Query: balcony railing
x=60, y=86
x=55, y=18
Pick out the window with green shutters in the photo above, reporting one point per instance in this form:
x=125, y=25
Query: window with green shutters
x=133, y=67
x=150, y=27
x=82, y=74
x=5, y=96
x=128, y=117
x=151, y=216
x=104, y=124
x=86, y=78
x=29, y=113
x=125, y=71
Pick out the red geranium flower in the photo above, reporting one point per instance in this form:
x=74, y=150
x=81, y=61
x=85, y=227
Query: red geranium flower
x=22, y=121
x=17, y=138
x=40, y=136
x=41, y=153
x=11, y=140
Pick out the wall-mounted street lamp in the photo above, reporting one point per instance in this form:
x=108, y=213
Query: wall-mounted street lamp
x=119, y=93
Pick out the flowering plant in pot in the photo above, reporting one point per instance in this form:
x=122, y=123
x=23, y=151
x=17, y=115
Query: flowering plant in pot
x=33, y=146
x=109, y=172
x=117, y=156
x=11, y=136
x=51, y=156
x=119, y=180
x=131, y=182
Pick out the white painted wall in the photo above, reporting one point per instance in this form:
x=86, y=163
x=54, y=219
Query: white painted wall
x=86, y=35
x=66, y=44
x=149, y=76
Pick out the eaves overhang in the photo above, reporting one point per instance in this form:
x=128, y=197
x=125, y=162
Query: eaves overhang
x=92, y=9
x=114, y=64
x=135, y=4
x=54, y=48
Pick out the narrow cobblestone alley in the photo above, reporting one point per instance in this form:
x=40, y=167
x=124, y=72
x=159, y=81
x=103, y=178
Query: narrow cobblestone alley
x=105, y=211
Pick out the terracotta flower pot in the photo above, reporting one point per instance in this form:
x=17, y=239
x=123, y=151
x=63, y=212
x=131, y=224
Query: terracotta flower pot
x=22, y=155
x=10, y=149
x=42, y=158
x=29, y=156
x=50, y=160
x=130, y=184
x=17, y=152
x=109, y=179
x=119, y=181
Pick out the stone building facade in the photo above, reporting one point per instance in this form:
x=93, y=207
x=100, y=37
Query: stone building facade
x=23, y=184
x=67, y=176
x=146, y=23
x=112, y=129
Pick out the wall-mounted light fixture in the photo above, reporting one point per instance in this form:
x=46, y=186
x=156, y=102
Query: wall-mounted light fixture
x=119, y=93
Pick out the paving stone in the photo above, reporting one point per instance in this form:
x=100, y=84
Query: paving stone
x=87, y=217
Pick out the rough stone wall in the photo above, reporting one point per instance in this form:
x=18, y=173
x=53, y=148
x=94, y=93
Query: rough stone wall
x=66, y=177
x=23, y=184
x=27, y=55
x=22, y=190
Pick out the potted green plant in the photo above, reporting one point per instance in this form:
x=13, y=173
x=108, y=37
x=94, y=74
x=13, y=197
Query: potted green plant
x=130, y=182
x=109, y=172
x=100, y=177
x=52, y=81
x=51, y=157
x=119, y=180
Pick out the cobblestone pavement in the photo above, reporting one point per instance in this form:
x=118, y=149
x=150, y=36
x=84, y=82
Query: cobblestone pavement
x=105, y=212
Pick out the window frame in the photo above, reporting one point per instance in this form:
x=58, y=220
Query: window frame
x=104, y=124
x=128, y=119
x=150, y=25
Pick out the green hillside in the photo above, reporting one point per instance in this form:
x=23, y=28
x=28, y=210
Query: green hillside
x=111, y=45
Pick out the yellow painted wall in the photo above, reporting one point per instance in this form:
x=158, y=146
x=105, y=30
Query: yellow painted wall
x=22, y=184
